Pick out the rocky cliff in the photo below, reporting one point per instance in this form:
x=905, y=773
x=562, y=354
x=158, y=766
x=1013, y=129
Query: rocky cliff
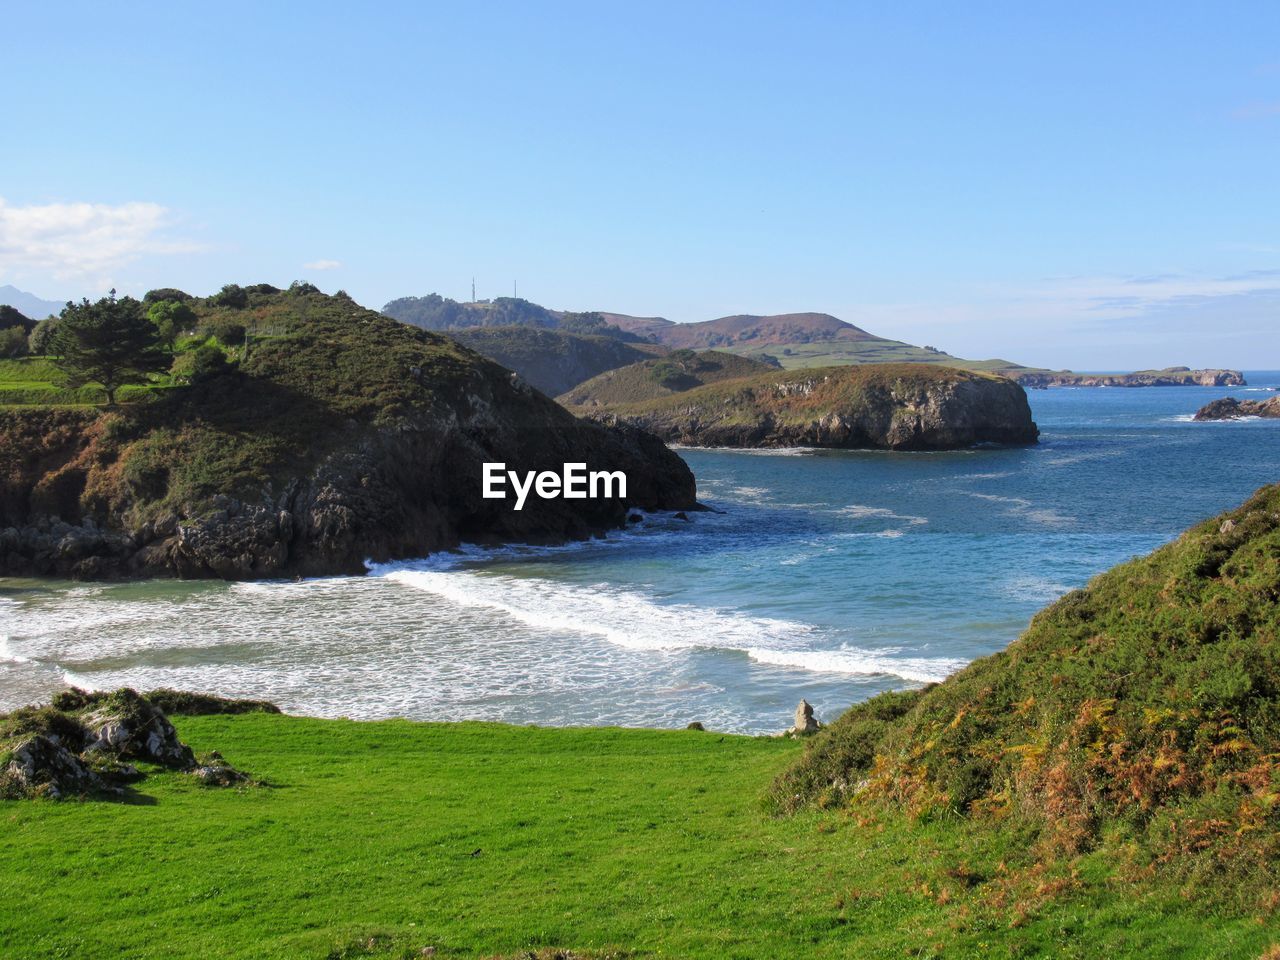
x=888, y=406
x=340, y=436
x=1229, y=408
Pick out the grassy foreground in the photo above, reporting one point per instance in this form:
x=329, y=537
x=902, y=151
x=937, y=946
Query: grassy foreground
x=382, y=839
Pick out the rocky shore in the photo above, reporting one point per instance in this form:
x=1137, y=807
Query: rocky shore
x=1229, y=408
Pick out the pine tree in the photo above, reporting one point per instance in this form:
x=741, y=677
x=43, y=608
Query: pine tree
x=110, y=342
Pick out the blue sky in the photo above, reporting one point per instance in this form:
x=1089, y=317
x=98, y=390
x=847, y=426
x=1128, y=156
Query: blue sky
x=1092, y=186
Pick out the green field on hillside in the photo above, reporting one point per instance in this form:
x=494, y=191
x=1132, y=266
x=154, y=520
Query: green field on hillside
x=826, y=353
x=382, y=839
x=35, y=380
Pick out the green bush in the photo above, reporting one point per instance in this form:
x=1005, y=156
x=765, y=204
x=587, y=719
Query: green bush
x=13, y=342
x=229, y=332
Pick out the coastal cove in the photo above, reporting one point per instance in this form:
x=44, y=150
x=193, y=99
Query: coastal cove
x=831, y=575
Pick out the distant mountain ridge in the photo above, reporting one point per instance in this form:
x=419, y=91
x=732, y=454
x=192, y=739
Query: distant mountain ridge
x=28, y=303
x=794, y=340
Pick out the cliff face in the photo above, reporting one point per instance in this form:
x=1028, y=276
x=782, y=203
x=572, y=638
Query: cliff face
x=344, y=436
x=1171, y=377
x=1229, y=408
x=889, y=406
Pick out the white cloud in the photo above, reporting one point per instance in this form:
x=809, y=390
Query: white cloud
x=72, y=240
x=322, y=265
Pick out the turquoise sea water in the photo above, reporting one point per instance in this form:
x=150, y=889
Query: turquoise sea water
x=828, y=575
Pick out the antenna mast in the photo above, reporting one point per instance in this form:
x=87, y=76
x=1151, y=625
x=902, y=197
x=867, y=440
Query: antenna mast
x=473, y=289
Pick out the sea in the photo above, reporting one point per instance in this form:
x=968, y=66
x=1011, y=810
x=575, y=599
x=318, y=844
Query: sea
x=824, y=575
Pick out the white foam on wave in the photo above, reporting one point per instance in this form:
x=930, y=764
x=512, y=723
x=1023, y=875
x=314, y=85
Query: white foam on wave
x=754, y=451
x=622, y=617
x=636, y=622
x=8, y=654
x=1023, y=507
x=860, y=511
x=861, y=662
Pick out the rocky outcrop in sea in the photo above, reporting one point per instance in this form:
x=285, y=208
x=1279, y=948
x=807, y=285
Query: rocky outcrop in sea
x=1229, y=408
x=1169, y=377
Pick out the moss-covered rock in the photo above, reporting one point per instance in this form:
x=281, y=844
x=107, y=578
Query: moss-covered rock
x=83, y=743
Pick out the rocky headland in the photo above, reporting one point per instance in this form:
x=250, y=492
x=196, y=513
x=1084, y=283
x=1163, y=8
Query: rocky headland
x=1169, y=377
x=1229, y=408
x=884, y=406
x=339, y=436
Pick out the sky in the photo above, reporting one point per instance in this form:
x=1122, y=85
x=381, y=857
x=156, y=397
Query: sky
x=1089, y=186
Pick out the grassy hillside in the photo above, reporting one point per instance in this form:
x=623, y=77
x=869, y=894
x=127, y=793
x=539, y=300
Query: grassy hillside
x=652, y=379
x=1137, y=720
x=475, y=840
x=825, y=353
x=552, y=360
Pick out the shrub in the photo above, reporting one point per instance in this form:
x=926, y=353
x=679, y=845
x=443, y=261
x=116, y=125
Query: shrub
x=204, y=362
x=232, y=295
x=208, y=361
x=229, y=332
x=171, y=319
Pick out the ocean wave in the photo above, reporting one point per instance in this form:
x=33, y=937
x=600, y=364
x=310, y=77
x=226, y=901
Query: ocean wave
x=622, y=617
x=8, y=654
x=861, y=662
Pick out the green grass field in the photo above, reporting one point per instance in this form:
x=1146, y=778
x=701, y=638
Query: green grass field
x=381, y=839
x=827, y=353
x=30, y=381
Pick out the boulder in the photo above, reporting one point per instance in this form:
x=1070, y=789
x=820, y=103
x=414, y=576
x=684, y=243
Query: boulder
x=42, y=766
x=128, y=725
x=805, y=722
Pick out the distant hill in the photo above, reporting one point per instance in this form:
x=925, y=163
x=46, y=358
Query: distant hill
x=758, y=332
x=29, y=304
x=654, y=378
x=552, y=360
x=796, y=340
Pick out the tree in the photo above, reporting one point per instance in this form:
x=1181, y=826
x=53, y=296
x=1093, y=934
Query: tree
x=9, y=317
x=171, y=318
x=232, y=295
x=110, y=342
x=13, y=342
x=41, y=342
